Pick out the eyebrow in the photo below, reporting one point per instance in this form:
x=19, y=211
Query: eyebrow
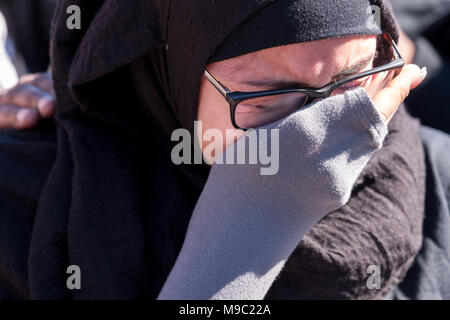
x=275, y=84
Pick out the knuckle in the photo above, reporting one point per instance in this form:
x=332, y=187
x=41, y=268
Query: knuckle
x=39, y=82
x=28, y=77
x=7, y=115
x=27, y=92
x=404, y=93
x=19, y=95
x=42, y=78
x=400, y=94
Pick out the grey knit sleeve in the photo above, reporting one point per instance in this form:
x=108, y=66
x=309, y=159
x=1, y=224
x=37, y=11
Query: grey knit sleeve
x=247, y=223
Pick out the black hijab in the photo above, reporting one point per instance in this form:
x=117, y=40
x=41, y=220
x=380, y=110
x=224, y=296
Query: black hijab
x=121, y=208
x=114, y=203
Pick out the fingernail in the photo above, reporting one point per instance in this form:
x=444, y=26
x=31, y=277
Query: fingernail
x=423, y=72
x=26, y=117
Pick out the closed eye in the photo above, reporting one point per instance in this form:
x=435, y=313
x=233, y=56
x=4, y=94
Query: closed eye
x=355, y=69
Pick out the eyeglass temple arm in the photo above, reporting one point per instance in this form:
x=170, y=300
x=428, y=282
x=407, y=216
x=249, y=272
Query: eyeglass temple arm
x=397, y=54
x=220, y=87
x=397, y=63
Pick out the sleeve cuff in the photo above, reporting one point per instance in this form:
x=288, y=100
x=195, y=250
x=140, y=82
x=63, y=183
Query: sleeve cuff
x=368, y=115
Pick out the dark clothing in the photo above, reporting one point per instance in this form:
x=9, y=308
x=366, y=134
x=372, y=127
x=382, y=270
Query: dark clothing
x=106, y=196
x=27, y=158
x=429, y=277
x=289, y=20
x=381, y=225
x=29, y=26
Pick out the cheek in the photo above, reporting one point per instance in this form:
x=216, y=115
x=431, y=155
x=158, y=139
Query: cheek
x=214, y=113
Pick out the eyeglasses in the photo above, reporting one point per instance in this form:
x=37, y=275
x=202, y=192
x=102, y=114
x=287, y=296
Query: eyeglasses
x=254, y=109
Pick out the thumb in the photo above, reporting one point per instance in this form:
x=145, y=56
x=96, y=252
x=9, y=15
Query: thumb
x=388, y=100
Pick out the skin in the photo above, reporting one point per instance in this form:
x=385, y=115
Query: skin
x=31, y=100
x=312, y=64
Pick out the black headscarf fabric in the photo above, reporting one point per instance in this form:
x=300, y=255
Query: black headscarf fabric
x=113, y=202
x=284, y=22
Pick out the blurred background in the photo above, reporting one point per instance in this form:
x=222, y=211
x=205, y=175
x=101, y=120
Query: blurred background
x=427, y=24
x=28, y=28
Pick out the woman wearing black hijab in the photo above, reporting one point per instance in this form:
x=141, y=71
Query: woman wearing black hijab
x=111, y=200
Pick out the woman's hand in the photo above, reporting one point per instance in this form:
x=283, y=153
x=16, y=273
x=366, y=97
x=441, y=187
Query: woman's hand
x=388, y=99
x=32, y=99
x=316, y=155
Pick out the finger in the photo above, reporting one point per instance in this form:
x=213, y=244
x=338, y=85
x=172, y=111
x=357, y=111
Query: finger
x=29, y=96
x=27, y=78
x=12, y=117
x=390, y=98
x=46, y=107
x=417, y=81
x=378, y=82
x=41, y=80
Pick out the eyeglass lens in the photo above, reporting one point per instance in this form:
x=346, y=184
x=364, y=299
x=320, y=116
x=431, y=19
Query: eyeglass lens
x=261, y=111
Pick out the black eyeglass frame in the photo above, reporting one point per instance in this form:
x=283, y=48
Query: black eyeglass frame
x=236, y=97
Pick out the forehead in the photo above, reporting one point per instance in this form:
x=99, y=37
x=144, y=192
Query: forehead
x=314, y=61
